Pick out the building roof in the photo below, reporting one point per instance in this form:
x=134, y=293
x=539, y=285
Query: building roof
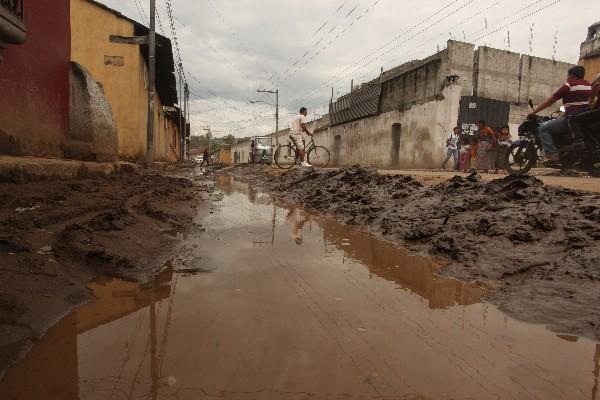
x=166, y=82
x=358, y=104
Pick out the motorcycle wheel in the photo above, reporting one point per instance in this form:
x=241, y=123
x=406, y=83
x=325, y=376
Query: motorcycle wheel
x=520, y=158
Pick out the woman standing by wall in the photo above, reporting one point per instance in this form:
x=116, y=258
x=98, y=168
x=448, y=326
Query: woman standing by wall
x=504, y=142
x=485, y=147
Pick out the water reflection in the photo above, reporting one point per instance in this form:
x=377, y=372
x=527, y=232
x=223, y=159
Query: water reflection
x=51, y=369
x=415, y=273
x=282, y=318
x=383, y=259
x=296, y=219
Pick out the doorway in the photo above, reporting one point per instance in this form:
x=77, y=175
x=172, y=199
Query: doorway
x=396, y=133
x=337, y=149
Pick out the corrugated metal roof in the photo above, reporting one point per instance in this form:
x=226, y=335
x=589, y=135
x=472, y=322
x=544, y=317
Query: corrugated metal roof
x=358, y=104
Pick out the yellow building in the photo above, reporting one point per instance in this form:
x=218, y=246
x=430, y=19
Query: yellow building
x=590, y=52
x=102, y=42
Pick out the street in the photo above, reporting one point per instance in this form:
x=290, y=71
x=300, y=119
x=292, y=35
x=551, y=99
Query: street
x=279, y=303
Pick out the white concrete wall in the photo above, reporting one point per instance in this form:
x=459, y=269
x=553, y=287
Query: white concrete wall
x=497, y=74
x=423, y=135
x=244, y=150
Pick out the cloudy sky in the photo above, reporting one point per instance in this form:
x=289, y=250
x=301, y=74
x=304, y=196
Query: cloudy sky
x=230, y=48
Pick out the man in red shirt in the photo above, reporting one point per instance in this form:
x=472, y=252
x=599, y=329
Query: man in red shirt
x=589, y=120
x=575, y=95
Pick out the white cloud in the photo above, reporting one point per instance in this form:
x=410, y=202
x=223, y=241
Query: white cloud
x=232, y=47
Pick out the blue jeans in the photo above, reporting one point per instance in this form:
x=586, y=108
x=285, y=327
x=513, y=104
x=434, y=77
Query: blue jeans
x=451, y=153
x=548, y=131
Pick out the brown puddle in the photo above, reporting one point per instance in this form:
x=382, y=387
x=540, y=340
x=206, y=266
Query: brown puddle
x=298, y=307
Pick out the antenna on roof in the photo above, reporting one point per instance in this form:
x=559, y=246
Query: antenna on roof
x=555, y=46
x=508, y=40
x=531, y=39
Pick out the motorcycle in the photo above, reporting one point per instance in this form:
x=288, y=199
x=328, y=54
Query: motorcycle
x=527, y=152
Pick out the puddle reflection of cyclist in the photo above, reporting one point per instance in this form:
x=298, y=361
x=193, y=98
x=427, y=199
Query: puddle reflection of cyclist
x=296, y=219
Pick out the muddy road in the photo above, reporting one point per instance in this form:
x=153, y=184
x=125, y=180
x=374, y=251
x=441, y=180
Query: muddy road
x=536, y=245
x=275, y=302
x=56, y=236
x=569, y=179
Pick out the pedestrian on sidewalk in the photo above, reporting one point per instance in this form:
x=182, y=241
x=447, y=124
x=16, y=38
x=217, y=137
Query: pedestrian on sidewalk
x=485, y=147
x=205, y=157
x=504, y=142
x=452, y=148
x=465, y=150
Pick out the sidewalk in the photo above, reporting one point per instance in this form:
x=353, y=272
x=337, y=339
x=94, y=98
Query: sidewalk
x=433, y=177
x=30, y=169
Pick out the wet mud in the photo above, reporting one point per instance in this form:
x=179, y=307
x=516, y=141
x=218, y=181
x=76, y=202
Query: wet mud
x=538, y=245
x=57, y=236
x=270, y=301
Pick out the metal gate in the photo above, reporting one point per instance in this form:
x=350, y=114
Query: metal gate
x=472, y=108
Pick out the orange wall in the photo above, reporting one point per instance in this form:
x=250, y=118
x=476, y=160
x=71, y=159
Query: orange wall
x=125, y=84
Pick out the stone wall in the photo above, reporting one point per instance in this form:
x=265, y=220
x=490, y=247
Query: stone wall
x=93, y=130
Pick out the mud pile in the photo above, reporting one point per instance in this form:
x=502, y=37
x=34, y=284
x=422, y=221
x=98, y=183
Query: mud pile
x=538, y=244
x=57, y=236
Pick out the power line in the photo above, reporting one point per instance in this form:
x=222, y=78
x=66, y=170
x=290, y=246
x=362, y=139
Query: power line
x=141, y=12
x=357, y=65
x=212, y=93
x=160, y=25
x=179, y=62
x=341, y=33
x=277, y=74
x=356, y=68
x=500, y=28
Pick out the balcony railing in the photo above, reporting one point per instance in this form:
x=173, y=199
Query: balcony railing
x=14, y=7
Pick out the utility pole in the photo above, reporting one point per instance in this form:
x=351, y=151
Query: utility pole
x=180, y=114
x=209, y=136
x=185, y=112
x=151, y=84
x=187, y=117
x=276, y=93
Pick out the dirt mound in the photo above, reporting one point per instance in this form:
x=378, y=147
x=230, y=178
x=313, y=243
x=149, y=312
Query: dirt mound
x=538, y=242
x=56, y=236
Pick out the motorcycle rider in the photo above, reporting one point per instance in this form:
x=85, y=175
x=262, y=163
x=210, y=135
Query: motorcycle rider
x=575, y=94
x=584, y=121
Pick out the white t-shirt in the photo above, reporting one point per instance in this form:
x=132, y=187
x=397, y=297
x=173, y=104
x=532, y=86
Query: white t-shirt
x=296, y=128
x=452, y=143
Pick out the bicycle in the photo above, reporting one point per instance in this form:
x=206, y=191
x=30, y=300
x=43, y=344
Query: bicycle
x=287, y=155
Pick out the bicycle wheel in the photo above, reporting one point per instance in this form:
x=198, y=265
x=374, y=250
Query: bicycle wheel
x=318, y=156
x=285, y=157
